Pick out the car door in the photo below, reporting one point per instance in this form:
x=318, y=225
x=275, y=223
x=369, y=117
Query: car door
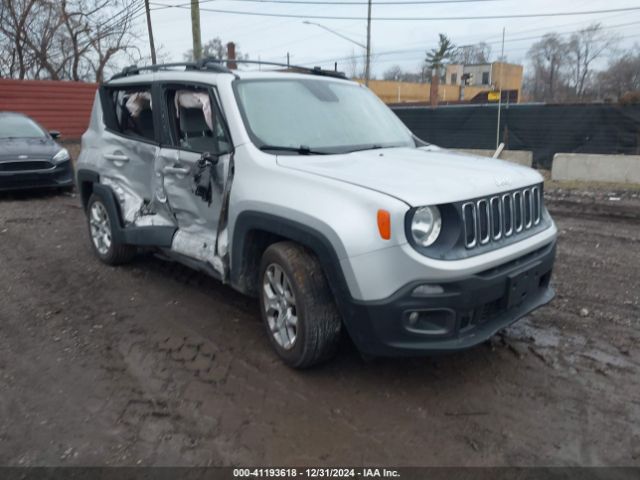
x=129, y=146
x=192, y=166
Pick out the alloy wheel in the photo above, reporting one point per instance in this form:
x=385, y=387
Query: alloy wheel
x=100, y=228
x=280, y=306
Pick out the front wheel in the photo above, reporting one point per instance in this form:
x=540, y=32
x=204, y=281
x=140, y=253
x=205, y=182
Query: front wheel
x=297, y=306
x=106, y=248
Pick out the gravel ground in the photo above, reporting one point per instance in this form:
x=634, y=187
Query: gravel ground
x=152, y=364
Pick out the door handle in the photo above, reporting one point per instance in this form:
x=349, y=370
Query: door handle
x=115, y=157
x=176, y=170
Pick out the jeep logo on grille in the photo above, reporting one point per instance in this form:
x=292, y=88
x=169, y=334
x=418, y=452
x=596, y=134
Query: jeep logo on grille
x=502, y=181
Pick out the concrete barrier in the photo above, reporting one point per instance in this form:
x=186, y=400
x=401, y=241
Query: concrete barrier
x=596, y=168
x=521, y=157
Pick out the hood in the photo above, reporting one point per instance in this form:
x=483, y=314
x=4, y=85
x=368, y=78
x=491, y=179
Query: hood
x=34, y=148
x=418, y=176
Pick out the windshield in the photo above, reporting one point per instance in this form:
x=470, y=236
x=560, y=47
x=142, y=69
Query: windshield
x=316, y=116
x=17, y=126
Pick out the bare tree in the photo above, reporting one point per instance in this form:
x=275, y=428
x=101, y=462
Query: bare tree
x=110, y=39
x=77, y=28
x=66, y=39
x=396, y=73
x=41, y=36
x=393, y=73
x=584, y=48
x=621, y=77
x=547, y=79
x=17, y=14
x=472, y=54
x=215, y=48
x=354, y=67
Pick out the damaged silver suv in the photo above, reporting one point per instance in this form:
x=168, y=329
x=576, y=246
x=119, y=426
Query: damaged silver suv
x=303, y=189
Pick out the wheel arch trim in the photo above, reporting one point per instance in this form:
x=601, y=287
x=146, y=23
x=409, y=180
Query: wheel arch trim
x=292, y=230
x=83, y=177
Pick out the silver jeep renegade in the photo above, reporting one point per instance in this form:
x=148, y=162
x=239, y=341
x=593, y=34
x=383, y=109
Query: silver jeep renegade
x=305, y=190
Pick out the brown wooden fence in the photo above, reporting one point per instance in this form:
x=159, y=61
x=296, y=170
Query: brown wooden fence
x=62, y=106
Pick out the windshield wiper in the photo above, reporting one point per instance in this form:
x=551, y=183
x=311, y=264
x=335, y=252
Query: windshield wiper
x=367, y=147
x=301, y=150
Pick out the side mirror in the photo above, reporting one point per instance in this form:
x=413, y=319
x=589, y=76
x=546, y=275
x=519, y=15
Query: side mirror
x=54, y=134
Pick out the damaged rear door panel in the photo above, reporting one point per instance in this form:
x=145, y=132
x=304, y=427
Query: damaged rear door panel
x=129, y=146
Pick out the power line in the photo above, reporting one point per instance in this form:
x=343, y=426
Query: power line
x=130, y=14
x=409, y=19
x=125, y=13
x=414, y=58
x=416, y=50
x=298, y=39
x=422, y=57
x=248, y=27
x=583, y=23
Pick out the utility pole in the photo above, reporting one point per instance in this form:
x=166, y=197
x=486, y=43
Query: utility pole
x=500, y=91
x=151, y=44
x=195, y=29
x=367, y=67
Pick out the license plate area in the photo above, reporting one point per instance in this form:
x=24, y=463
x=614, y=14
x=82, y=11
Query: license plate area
x=521, y=284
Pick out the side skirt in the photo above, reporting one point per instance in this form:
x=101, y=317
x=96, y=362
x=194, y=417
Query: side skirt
x=204, y=267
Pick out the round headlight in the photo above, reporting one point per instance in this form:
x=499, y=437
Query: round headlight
x=426, y=225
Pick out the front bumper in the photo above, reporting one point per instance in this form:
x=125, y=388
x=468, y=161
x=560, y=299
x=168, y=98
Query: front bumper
x=456, y=316
x=60, y=176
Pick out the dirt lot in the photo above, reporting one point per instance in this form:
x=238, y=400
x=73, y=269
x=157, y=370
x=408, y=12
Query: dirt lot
x=153, y=364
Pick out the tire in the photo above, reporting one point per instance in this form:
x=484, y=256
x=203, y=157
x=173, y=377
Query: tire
x=101, y=235
x=308, y=298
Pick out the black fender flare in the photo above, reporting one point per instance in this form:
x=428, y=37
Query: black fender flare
x=296, y=232
x=83, y=177
x=86, y=175
x=108, y=198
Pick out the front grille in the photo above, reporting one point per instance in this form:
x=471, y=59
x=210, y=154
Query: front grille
x=25, y=166
x=501, y=216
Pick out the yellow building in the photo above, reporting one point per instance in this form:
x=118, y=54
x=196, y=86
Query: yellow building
x=486, y=76
x=459, y=83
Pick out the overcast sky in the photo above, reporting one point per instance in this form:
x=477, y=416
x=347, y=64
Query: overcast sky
x=393, y=42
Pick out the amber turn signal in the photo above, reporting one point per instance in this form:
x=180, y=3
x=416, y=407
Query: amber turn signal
x=384, y=224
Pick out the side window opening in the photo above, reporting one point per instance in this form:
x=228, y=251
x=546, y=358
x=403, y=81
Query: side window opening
x=195, y=121
x=133, y=112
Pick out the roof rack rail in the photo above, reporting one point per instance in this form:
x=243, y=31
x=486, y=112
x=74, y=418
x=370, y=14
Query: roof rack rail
x=216, y=65
x=314, y=70
x=204, y=64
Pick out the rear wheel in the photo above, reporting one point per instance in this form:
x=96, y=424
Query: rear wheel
x=104, y=245
x=297, y=306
